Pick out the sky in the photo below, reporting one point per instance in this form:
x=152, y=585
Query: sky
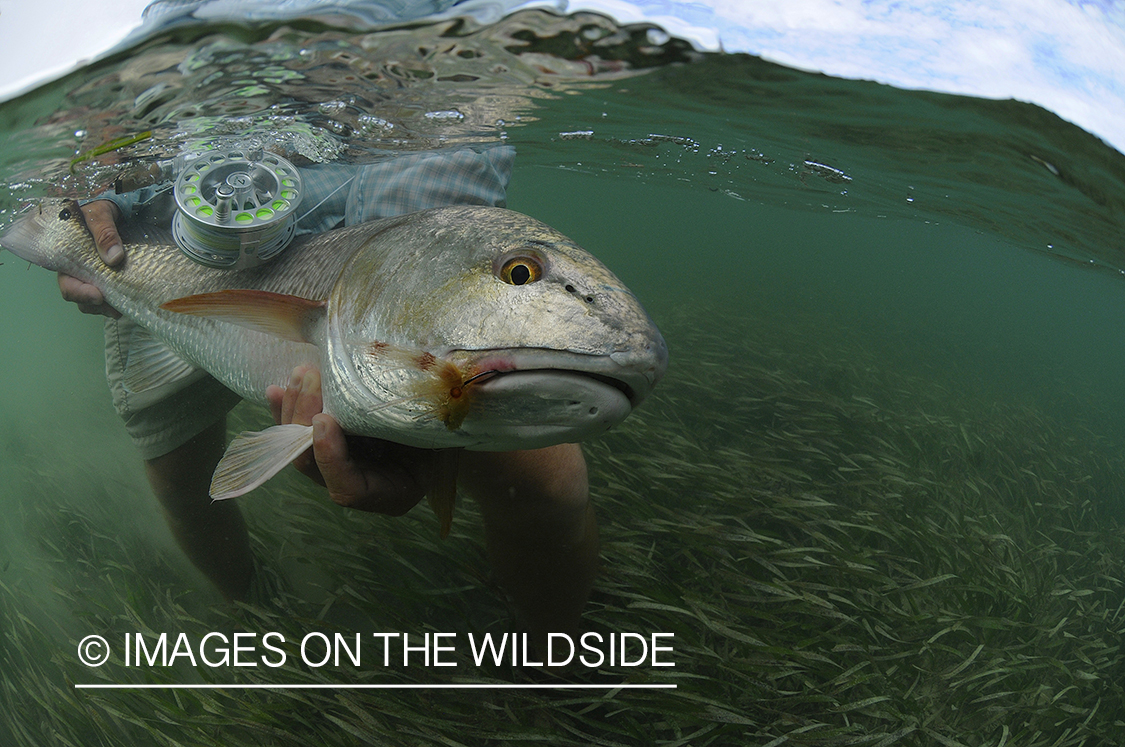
x=1065, y=55
x=43, y=39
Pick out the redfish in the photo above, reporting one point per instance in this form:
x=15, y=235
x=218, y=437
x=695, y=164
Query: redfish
x=470, y=327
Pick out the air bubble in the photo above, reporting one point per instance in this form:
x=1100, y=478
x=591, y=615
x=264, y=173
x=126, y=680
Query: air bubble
x=371, y=123
x=332, y=107
x=445, y=115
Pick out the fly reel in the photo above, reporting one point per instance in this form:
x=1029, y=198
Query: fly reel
x=235, y=208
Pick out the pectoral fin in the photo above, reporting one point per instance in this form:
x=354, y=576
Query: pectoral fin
x=254, y=457
x=150, y=364
x=287, y=317
x=444, y=493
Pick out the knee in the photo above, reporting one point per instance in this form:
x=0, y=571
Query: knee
x=564, y=480
x=181, y=477
x=551, y=478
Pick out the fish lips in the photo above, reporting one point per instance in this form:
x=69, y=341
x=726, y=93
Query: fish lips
x=541, y=407
x=633, y=371
x=533, y=398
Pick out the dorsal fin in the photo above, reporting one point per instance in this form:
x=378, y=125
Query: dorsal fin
x=287, y=317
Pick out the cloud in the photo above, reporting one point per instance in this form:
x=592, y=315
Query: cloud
x=1065, y=56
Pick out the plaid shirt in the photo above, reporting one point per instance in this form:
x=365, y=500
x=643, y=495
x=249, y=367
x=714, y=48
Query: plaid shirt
x=335, y=194
x=404, y=184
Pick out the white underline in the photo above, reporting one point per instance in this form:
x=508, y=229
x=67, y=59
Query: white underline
x=480, y=686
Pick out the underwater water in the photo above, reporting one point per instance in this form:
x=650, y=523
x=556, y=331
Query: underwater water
x=878, y=499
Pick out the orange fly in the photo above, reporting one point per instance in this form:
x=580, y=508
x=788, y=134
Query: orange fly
x=446, y=387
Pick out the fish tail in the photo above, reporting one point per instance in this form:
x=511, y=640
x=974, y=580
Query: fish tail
x=22, y=239
x=27, y=236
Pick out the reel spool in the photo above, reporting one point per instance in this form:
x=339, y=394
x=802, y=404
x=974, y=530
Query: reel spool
x=236, y=208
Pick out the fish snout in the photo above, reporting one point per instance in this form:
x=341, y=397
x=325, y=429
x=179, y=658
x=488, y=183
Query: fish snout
x=641, y=364
x=22, y=237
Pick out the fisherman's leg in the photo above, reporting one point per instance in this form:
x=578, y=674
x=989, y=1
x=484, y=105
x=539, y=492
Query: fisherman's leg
x=540, y=529
x=211, y=533
x=180, y=434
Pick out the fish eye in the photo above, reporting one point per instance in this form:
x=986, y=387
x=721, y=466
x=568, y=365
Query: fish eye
x=65, y=214
x=521, y=270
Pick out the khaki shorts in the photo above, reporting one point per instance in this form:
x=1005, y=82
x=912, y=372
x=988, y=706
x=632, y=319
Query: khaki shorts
x=163, y=419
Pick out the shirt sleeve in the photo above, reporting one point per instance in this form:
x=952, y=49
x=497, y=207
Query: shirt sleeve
x=153, y=203
x=419, y=181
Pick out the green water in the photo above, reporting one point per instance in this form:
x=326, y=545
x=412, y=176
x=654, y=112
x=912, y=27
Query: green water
x=878, y=498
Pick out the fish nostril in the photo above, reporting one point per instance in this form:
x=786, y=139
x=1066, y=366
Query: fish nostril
x=571, y=289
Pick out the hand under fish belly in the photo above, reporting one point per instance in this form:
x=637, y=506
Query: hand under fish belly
x=467, y=327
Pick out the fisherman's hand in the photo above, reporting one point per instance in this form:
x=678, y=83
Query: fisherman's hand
x=101, y=218
x=390, y=480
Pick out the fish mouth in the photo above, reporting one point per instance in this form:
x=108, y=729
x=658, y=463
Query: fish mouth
x=618, y=384
x=632, y=374
x=531, y=409
x=630, y=394
x=523, y=398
